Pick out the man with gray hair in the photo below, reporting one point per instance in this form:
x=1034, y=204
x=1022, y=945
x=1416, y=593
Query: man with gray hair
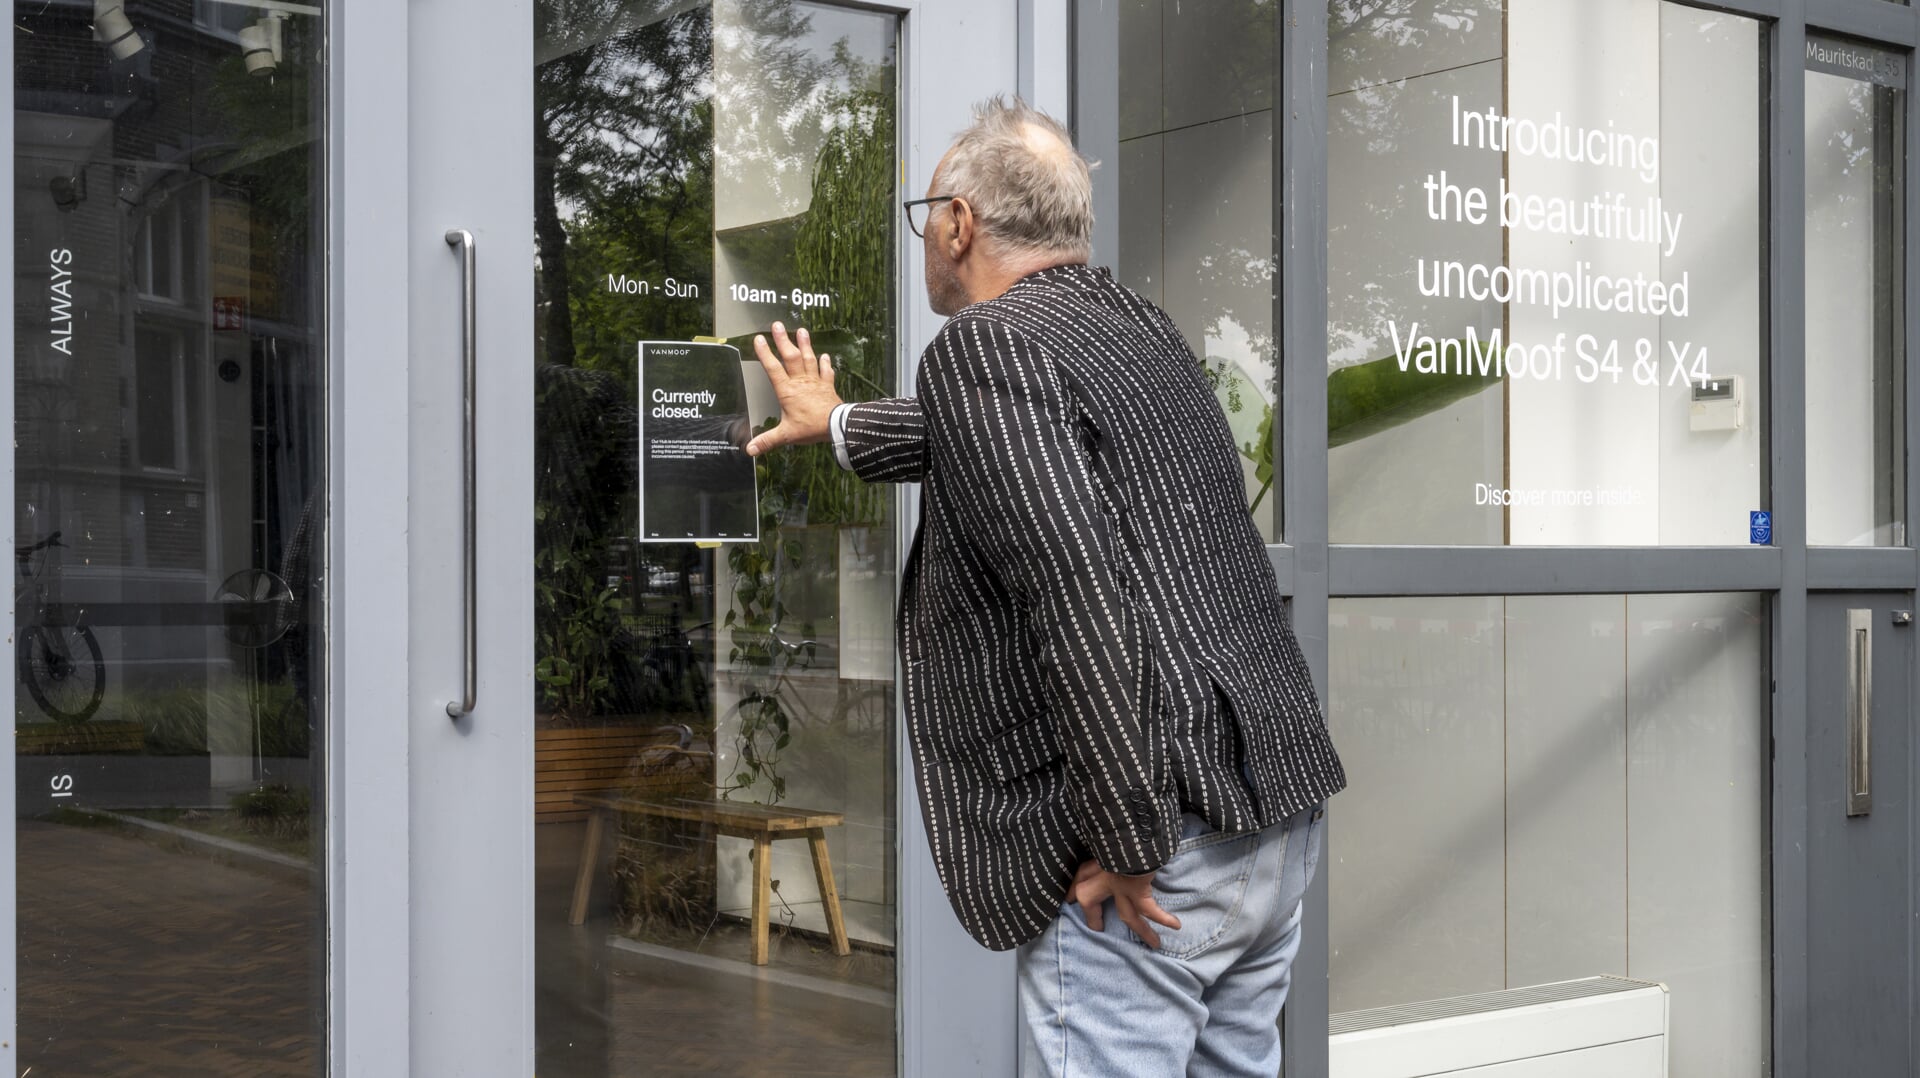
x=1120, y=757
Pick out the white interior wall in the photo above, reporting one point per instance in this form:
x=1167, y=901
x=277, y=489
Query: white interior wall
x=1593, y=66
x=832, y=765
x=1416, y=874
x=1566, y=743
x=1599, y=763
x=1696, y=785
x=1710, y=86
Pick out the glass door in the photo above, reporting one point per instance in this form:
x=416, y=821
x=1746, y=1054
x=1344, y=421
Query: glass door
x=169, y=510
x=714, y=773
x=667, y=812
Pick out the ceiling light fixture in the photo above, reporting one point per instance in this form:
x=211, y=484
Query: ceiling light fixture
x=263, y=44
x=112, y=27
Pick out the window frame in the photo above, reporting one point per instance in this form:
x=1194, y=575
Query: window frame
x=1311, y=571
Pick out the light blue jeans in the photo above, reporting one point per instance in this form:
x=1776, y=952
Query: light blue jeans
x=1207, y=1003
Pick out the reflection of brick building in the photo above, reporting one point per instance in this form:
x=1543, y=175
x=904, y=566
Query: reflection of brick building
x=174, y=437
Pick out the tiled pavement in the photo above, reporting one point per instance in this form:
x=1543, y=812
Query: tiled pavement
x=142, y=958
x=138, y=960
x=604, y=1013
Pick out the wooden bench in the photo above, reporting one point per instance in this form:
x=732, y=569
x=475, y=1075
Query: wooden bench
x=582, y=760
x=763, y=824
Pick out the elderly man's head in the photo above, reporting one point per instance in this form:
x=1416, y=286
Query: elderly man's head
x=1021, y=201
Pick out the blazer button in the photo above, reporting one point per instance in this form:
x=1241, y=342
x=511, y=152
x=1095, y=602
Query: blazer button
x=1142, y=806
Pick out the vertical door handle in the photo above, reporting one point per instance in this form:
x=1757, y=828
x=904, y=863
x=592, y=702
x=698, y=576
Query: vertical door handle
x=1859, y=712
x=462, y=242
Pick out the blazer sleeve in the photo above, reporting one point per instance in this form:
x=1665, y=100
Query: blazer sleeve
x=887, y=440
x=1011, y=473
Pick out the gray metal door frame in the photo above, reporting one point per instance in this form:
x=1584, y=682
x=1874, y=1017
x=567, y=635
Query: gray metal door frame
x=369, y=981
x=9, y=949
x=1312, y=571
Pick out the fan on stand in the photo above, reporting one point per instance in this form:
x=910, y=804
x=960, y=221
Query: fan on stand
x=258, y=609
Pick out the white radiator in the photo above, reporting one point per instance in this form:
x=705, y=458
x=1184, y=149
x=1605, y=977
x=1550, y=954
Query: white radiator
x=1599, y=1027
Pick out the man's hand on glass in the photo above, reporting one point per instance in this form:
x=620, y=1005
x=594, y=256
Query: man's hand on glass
x=803, y=382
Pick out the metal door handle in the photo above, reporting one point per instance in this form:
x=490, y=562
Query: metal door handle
x=1859, y=712
x=462, y=241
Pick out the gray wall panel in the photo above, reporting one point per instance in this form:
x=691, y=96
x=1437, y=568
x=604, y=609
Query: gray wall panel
x=957, y=998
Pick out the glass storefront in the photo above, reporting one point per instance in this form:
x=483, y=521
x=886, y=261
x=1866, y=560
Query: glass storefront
x=1629, y=275
x=1550, y=235
x=169, y=500
x=714, y=749
x=1545, y=312
x=1548, y=788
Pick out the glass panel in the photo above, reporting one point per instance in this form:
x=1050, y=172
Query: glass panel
x=170, y=455
x=1544, y=294
x=1196, y=200
x=1564, y=735
x=1856, y=292
x=702, y=170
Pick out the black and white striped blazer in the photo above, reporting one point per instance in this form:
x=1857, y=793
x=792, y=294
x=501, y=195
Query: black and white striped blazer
x=1092, y=636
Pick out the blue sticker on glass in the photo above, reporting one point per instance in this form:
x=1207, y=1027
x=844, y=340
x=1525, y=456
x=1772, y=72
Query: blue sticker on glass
x=1760, y=527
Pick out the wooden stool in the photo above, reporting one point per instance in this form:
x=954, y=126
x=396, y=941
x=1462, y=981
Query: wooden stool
x=762, y=823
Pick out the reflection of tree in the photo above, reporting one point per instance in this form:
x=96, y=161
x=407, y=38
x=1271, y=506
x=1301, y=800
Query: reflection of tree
x=1390, y=26
x=777, y=95
x=844, y=246
x=623, y=171
x=1853, y=137
x=1377, y=54
x=623, y=183
x=648, y=113
x=1855, y=198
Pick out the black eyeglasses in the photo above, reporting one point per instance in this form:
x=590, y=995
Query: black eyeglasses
x=920, y=209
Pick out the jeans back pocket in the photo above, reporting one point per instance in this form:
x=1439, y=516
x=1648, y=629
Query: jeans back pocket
x=1205, y=886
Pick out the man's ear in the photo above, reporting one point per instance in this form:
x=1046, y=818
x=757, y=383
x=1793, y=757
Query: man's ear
x=960, y=226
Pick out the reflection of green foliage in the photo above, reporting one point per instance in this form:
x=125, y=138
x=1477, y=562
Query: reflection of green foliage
x=623, y=174
x=584, y=464
x=623, y=184
x=1230, y=385
x=845, y=243
x=274, y=810
x=175, y=720
x=272, y=801
x=626, y=146
x=1367, y=398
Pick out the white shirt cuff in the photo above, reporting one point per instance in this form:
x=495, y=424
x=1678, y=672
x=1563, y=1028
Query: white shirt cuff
x=837, y=428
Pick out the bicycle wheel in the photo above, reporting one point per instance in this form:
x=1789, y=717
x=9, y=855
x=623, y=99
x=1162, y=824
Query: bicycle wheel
x=869, y=713
x=63, y=671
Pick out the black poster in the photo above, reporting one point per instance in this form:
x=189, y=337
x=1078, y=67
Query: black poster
x=697, y=483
